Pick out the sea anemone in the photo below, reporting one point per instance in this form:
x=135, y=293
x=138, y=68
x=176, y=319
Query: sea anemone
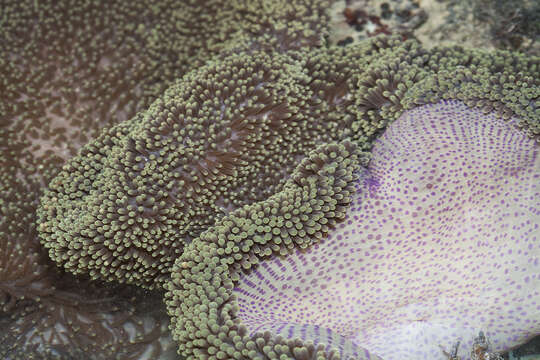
x=220, y=188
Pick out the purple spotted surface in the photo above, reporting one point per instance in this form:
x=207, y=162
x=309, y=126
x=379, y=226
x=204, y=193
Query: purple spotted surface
x=442, y=241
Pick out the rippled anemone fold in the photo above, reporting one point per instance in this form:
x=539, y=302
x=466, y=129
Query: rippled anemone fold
x=224, y=136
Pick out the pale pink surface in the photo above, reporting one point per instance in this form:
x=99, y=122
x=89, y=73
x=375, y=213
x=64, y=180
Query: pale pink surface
x=442, y=241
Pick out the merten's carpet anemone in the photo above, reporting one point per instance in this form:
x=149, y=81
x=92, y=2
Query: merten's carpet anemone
x=225, y=136
x=295, y=200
